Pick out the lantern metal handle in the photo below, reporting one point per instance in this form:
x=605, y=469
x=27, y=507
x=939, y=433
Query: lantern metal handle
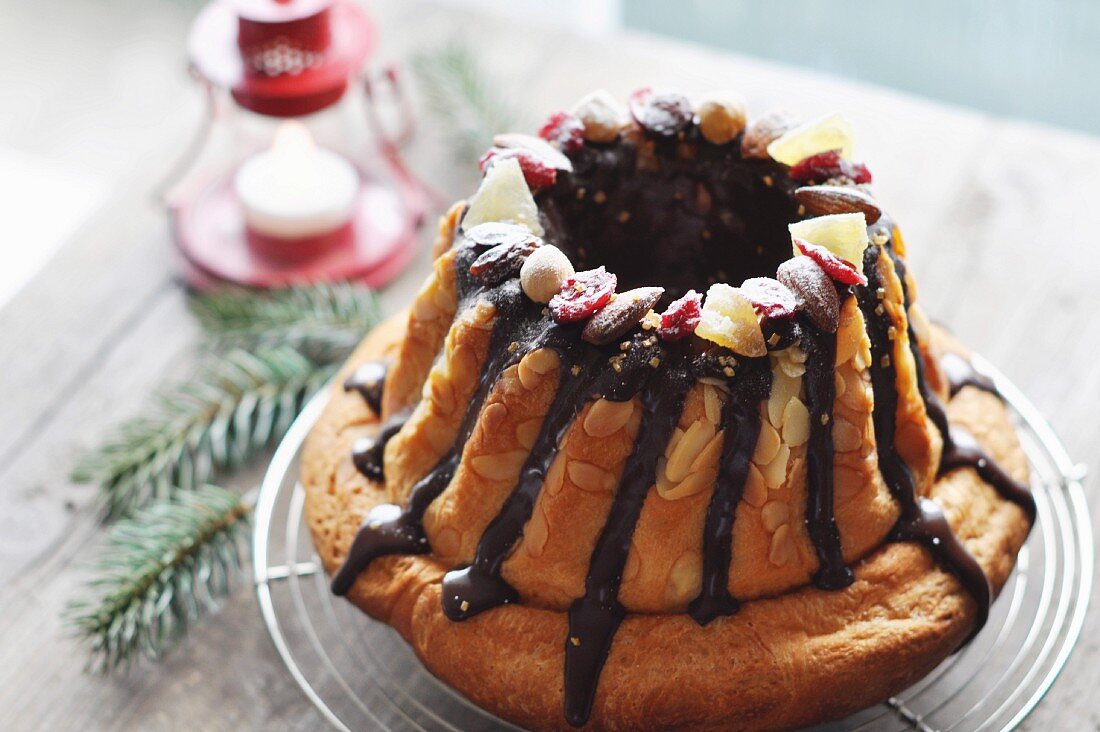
x=387, y=81
x=167, y=186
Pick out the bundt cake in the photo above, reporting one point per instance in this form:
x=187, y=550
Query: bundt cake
x=588, y=495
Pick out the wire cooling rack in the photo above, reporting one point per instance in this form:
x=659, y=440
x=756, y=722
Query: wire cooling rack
x=362, y=676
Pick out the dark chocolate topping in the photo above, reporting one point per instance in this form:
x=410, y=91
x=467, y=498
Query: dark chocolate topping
x=402, y=531
x=594, y=618
x=963, y=451
x=663, y=217
x=927, y=525
x=682, y=215
x=918, y=521
x=959, y=373
x=820, y=385
x=367, y=452
x=741, y=425
x=960, y=450
x=369, y=380
x=479, y=587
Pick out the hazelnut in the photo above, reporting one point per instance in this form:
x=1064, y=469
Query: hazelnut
x=602, y=116
x=763, y=132
x=721, y=118
x=544, y=272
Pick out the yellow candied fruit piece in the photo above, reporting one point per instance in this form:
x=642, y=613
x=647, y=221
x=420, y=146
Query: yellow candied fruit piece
x=831, y=132
x=845, y=235
x=503, y=196
x=729, y=320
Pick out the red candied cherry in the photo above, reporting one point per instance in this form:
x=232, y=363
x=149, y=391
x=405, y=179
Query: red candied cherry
x=582, y=295
x=838, y=269
x=662, y=113
x=770, y=298
x=681, y=317
x=536, y=171
x=826, y=165
x=565, y=129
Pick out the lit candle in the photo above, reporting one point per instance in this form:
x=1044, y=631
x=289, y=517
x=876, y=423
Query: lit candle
x=296, y=189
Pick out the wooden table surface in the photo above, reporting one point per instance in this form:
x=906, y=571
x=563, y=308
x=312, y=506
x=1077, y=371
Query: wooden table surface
x=995, y=213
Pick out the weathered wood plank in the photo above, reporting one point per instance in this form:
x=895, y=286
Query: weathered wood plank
x=989, y=209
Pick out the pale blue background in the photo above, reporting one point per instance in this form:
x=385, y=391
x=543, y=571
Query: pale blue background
x=1037, y=59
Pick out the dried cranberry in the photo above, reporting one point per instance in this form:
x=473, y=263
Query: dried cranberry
x=663, y=114
x=770, y=298
x=838, y=269
x=502, y=261
x=549, y=154
x=536, y=171
x=682, y=316
x=827, y=165
x=492, y=233
x=582, y=295
x=564, y=129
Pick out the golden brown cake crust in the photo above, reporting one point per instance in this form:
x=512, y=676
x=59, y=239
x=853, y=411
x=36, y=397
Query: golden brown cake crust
x=780, y=662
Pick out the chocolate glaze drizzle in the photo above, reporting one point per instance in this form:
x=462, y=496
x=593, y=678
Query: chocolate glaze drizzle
x=820, y=384
x=478, y=587
x=960, y=372
x=391, y=530
x=594, y=618
x=921, y=519
x=741, y=425
x=369, y=380
x=699, y=212
x=367, y=452
x=960, y=449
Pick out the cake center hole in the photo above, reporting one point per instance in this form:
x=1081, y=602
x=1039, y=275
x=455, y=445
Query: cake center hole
x=670, y=220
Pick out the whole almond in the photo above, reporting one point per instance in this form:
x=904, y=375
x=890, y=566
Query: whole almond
x=824, y=200
x=620, y=315
x=502, y=261
x=762, y=131
x=814, y=288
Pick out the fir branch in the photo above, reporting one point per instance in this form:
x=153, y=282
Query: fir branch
x=161, y=569
x=324, y=321
x=238, y=404
x=468, y=103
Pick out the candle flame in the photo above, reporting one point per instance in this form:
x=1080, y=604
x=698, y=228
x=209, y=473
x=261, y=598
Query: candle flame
x=292, y=137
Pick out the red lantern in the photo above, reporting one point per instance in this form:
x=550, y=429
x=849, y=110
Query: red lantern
x=294, y=176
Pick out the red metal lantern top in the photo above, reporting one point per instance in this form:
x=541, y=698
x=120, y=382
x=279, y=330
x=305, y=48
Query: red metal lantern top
x=281, y=58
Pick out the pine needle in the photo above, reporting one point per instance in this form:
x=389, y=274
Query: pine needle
x=161, y=569
x=174, y=549
x=239, y=403
x=467, y=102
x=324, y=321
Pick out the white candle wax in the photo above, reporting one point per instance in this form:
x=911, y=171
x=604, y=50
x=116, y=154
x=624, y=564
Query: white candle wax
x=296, y=189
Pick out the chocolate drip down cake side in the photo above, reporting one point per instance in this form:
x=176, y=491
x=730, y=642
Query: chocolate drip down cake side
x=664, y=441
